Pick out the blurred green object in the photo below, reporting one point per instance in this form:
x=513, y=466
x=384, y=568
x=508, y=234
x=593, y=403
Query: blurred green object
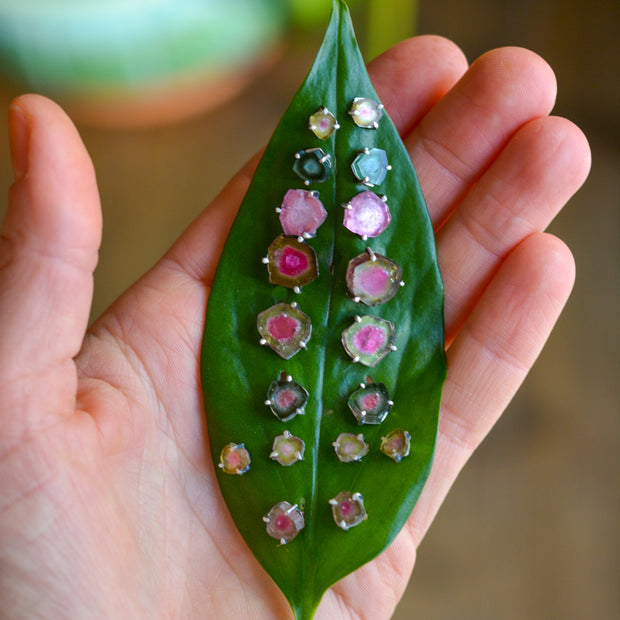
x=112, y=50
x=389, y=21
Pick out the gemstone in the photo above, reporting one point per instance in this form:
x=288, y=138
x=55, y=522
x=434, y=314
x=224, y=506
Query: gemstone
x=366, y=215
x=285, y=398
x=371, y=166
x=372, y=278
x=366, y=112
x=284, y=522
x=370, y=403
x=323, y=123
x=369, y=339
x=348, y=509
x=284, y=328
x=350, y=447
x=287, y=449
x=301, y=213
x=312, y=165
x=234, y=459
x=396, y=444
x=291, y=262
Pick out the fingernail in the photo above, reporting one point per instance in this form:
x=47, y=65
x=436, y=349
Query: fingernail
x=19, y=138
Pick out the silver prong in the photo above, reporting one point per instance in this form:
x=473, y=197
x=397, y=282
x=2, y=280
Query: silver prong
x=324, y=158
x=333, y=502
x=278, y=210
x=283, y=541
x=388, y=167
x=287, y=434
x=299, y=411
x=356, y=299
x=380, y=106
x=300, y=239
x=220, y=465
x=344, y=526
x=337, y=126
x=303, y=345
x=306, y=182
x=262, y=341
x=373, y=256
x=375, y=125
x=299, y=455
x=268, y=402
x=356, y=497
x=324, y=110
x=293, y=304
x=264, y=260
x=297, y=155
x=384, y=198
x=360, y=437
x=363, y=386
x=356, y=359
x=291, y=509
x=393, y=347
x=307, y=235
x=296, y=289
x=366, y=150
x=402, y=283
x=364, y=237
x=347, y=206
x=273, y=455
x=314, y=194
x=358, y=318
x=363, y=413
x=289, y=378
x=266, y=519
x=390, y=402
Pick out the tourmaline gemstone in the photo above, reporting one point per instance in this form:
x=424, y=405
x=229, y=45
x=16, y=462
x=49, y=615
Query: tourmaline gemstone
x=366, y=112
x=291, y=262
x=396, y=444
x=286, y=398
x=287, y=449
x=371, y=166
x=369, y=339
x=372, y=278
x=234, y=459
x=312, y=165
x=370, y=403
x=323, y=123
x=348, y=509
x=350, y=448
x=284, y=328
x=366, y=215
x=284, y=522
x=301, y=213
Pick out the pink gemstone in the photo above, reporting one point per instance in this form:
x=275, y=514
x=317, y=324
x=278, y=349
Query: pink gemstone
x=283, y=523
x=292, y=263
x=346, y=508
x=286, y=398
x=369, y=339
x=301, y=213
x=367, y=215
x=371, y=401
x=374, y=280
x=282, y=328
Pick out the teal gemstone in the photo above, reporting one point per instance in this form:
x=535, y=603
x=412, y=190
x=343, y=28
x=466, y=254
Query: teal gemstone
x=371, y=166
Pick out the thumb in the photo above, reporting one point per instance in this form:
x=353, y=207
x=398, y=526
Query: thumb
x=48, y=250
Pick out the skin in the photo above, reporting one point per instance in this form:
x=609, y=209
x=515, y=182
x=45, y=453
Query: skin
x=109, y=507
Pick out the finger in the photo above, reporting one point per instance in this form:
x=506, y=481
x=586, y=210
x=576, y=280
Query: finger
x=48, y=247
x=541, y=167
x=461, y=135
x=491, y=356
x=409, y=78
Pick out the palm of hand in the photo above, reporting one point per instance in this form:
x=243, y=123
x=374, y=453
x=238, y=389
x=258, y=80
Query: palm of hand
x=110, y=506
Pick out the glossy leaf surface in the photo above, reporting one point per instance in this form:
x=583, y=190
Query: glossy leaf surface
x=237, y=371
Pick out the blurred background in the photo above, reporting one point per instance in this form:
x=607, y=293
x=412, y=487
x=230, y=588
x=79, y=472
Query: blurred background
x=171, y=98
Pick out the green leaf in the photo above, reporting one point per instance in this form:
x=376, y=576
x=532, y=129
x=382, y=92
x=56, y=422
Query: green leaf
x=237, y=371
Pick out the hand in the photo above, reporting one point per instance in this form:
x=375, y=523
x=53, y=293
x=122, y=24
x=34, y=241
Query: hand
x=109, y=507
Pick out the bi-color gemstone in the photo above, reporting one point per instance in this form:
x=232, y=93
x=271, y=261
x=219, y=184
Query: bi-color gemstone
x=370, y=403
x=284, y=328
x=284, y=522
x=348, y=509
x=396, y=444
x=369, y=339
x=234, y=459
x=350, y=448
x=287, y=449
x=291, y=263
x=286, y=398
x=366, y=112
x=373, y=279
x=312, y=165
x=323, y=124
